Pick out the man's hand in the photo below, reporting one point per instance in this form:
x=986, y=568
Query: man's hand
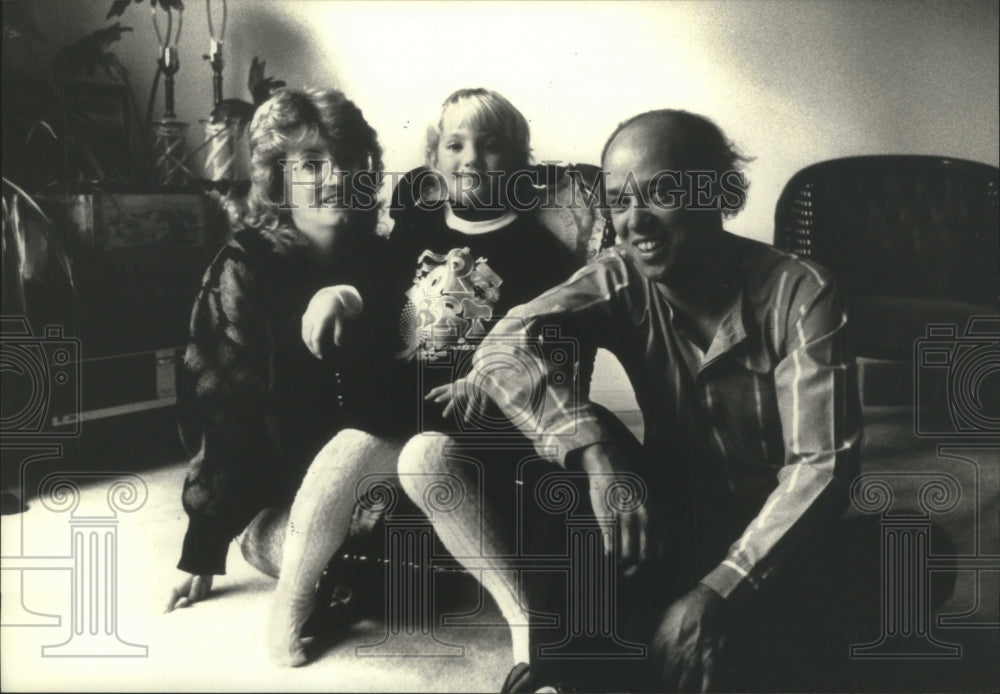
x=191, y=589
x=460, y=397
x=330, y=306
x=689, y=639
x=616, y=505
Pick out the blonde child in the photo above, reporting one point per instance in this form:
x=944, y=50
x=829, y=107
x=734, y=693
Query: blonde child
x=463, y=252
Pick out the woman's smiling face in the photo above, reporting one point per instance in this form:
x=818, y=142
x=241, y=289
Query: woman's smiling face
x=318, y=189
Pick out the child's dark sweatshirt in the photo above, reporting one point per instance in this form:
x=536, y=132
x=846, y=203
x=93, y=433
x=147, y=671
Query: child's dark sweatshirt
x=451, y=277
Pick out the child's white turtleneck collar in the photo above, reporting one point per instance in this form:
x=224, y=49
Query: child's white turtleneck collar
x=483, y=226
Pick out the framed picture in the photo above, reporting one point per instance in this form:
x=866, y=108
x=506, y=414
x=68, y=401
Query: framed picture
x=111, y=222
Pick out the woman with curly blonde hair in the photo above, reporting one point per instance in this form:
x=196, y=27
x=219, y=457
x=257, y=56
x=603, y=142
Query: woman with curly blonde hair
x=274, y=421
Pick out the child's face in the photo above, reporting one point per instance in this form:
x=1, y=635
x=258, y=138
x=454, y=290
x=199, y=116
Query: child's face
x=319, y=195
x=474, y=162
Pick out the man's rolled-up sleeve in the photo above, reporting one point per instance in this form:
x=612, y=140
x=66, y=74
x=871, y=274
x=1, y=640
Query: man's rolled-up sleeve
x=526, y=364
x=816, y=385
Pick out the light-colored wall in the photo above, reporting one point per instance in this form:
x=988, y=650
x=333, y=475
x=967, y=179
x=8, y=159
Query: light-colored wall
x=791, y=82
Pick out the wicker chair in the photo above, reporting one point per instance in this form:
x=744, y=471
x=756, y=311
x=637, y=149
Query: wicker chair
x=911, y=240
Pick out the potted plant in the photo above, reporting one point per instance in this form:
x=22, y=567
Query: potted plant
x=53, y=147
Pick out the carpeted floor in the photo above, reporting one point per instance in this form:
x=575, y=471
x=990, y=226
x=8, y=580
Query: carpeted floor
x=216, y=645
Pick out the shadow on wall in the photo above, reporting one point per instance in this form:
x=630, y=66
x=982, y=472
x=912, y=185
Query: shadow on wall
x=274, y=35
x=271, y=35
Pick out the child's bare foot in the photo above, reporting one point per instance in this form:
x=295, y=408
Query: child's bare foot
x=284, y=630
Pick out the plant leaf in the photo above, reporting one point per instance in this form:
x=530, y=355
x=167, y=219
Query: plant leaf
x=20, y=237
x=261, y=87
x=27, y=198
x=256, y=75
x=236, y=113
x=44, y=224
x=13, y=264
x=265, y=88
x=111, y=34
x=40, y=124
x=117, y=8
x=88, y=52
x=168, y=4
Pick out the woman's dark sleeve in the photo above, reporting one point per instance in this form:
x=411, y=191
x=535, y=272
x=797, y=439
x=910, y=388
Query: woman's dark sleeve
x=225, y=422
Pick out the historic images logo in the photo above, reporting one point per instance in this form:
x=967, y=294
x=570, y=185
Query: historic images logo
x=953, y=377
x=41, y=407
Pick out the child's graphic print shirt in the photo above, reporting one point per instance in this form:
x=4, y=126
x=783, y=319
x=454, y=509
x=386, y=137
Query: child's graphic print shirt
x=450, y=280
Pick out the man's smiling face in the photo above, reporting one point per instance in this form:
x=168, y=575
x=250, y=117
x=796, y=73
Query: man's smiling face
x=663, y=238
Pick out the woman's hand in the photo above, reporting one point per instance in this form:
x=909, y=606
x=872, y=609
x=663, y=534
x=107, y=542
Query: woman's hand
x=192, y=588
x=330, y=306
x=461, y=398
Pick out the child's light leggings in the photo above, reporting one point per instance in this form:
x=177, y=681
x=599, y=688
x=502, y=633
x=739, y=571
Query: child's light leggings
x=472, y=529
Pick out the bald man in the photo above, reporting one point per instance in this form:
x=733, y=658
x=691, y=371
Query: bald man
x=748, y=394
